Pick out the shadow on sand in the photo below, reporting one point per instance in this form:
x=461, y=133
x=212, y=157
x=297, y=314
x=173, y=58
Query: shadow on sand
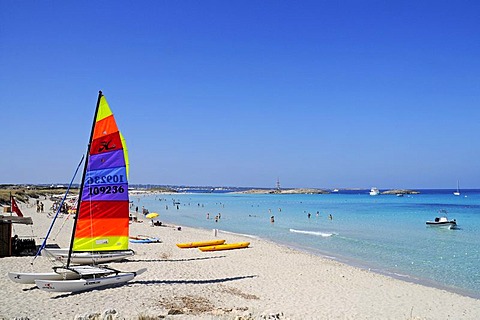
x=175, y=260
x=154, y=282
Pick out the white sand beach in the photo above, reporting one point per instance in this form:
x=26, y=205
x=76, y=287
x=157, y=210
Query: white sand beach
x=264, y=281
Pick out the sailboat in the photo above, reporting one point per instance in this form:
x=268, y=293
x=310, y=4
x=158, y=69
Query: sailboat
x=102, y=221
x=104, y=198
x=457, y=193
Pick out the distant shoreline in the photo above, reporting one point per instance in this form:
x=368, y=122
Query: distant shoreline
x=22, y=192
x=321, y=191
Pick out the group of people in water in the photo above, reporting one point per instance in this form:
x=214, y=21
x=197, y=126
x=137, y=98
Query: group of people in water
x=272, y=218
x=217, y=217
x=309, y=215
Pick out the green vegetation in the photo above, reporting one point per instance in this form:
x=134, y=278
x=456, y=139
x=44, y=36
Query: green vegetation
x=23, y=193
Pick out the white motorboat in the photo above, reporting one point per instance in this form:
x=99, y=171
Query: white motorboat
x=443, y=221
x=374, y=192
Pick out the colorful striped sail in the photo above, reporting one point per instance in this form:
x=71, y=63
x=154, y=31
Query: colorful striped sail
x=103, y=214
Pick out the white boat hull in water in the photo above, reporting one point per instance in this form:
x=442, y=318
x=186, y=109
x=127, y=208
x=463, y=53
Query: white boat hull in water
x=442, y=222
x=86, y=284
x=445, y=224
x=86, y=257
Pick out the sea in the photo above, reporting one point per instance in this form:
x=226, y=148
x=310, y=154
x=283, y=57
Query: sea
x=386, y=234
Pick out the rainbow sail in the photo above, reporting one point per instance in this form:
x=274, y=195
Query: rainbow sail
x=103, y=211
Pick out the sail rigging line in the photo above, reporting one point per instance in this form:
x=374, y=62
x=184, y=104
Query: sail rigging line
x=63, y=224
x=100, y=94
x=58, y=211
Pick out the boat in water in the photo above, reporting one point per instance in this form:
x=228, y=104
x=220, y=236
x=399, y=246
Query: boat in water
x=374, y=192
x=443, y=221
x=101, y=227
x=457, y=193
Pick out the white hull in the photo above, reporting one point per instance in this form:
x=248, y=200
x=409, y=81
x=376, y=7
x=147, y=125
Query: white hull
x=60, y=273
x=448, y=225
x=83, y=284
x=85, y=257
x=442, y=222
x=29, y=278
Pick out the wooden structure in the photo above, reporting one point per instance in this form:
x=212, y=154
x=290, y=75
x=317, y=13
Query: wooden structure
x=6, y=232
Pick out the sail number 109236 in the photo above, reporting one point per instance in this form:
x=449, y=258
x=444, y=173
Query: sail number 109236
x=105, y=190
x=114, y=178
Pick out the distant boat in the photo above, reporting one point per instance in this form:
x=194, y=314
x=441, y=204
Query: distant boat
x=457, y=193
x=374, y=192
x=335, y=190
x=443, y=221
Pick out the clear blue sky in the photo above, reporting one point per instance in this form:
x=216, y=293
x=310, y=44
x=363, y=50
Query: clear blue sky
x=240, y=93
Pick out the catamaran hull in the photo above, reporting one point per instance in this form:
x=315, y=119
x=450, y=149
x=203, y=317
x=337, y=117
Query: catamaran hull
x=29, y=278
x=83, y=284
x=86, y=257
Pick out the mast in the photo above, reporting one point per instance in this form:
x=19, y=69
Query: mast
x=100, y=94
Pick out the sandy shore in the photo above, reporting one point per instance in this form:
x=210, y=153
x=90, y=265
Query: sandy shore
x=264, y=281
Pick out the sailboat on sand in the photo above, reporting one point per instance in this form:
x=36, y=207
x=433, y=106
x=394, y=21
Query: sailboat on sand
x=102, y=221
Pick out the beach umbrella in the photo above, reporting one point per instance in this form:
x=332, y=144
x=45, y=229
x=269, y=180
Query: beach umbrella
x=152, y=215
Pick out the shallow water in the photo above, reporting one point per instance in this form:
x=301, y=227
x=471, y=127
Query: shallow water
x=383, y=233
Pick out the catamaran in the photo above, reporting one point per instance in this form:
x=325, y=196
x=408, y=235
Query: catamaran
x=102, y=221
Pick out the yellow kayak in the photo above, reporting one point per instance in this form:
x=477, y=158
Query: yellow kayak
x=230, y=246
x=200, y=244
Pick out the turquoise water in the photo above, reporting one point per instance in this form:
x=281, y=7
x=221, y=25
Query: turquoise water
x=386, y=234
